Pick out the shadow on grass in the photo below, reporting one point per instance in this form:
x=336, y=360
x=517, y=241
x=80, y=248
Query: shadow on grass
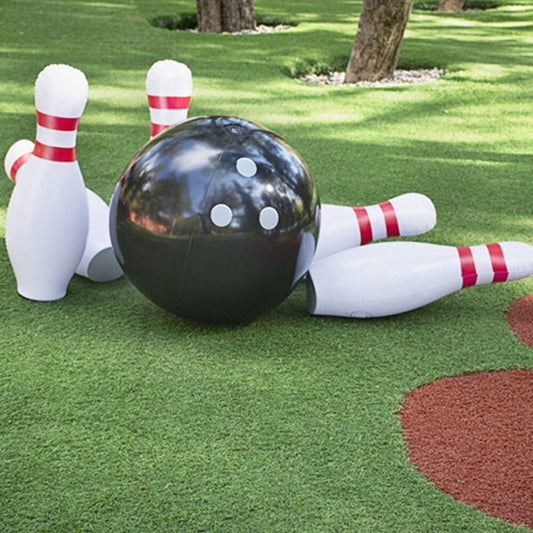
x=208, y=54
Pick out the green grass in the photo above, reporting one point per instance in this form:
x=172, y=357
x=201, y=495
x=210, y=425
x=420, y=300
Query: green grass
x=116, y=416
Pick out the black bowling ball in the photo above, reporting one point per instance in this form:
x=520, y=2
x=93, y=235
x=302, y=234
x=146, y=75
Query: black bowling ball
x=215, y=219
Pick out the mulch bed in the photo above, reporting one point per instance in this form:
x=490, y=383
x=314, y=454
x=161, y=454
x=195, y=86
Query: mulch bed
x=472, y=435
x=399, y=78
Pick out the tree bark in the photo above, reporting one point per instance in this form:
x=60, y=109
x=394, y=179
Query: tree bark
x=219, y=16
x=208, y=13
x=453, y=6
x=378, y=39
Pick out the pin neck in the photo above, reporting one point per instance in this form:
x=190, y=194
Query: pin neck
x=56, y=138
x=168, y=102
x=54, y=153
x=496, y=263
x=57, y=123
x=158, y=128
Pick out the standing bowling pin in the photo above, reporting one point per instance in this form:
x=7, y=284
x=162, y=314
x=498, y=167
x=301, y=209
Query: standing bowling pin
x=98, y=262
x=47, y=217
x=169, y=90
x=344, y=227
x=393, y=277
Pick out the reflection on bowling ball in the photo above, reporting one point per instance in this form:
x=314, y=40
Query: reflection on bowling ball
x=215, y=219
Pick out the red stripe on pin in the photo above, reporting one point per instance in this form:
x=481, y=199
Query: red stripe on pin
x=54, y=153
x=468, y=266
x=391, y=220
x=497, y=259
x=365, y=226
x=158, y=128
x=57, y=123
x=168, y=102
x=15, y=167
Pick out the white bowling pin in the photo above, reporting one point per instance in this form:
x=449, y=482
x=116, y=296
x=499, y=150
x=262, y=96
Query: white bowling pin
x=169, y=90
x=393, y=277
x=343, y=227
x=98, y=262
x=47, y=217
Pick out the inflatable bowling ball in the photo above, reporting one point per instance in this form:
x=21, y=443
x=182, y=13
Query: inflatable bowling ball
x=215, y=219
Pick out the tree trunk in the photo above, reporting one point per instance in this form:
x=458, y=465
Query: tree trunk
x=219, y=16
x=451, y=5
x=378, y=39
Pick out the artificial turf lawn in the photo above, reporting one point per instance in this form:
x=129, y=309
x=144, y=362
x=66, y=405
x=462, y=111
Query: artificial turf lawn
x=117, y=416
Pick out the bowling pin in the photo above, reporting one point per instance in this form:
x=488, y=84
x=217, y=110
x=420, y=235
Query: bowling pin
x=169, y=90
x=98, y=262
x=47, y=216
x=344, y=227
x=387, y=278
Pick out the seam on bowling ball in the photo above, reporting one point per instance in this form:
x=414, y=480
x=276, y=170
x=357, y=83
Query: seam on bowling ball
x=187, y=253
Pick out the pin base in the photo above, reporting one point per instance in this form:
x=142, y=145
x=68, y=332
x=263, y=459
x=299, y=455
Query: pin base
x=104, y=267
x=43, y=296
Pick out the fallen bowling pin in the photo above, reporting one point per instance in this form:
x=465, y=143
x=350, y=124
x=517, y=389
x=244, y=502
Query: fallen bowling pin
x=343, y=227
x=98, y=262
x=47, y=216
x=169, y=90
x=388, y=278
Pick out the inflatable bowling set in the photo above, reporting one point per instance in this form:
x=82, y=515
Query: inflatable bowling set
x=217, y=219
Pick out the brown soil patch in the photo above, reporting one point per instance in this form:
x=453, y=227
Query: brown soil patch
x=520, y=319
x=472, y=436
